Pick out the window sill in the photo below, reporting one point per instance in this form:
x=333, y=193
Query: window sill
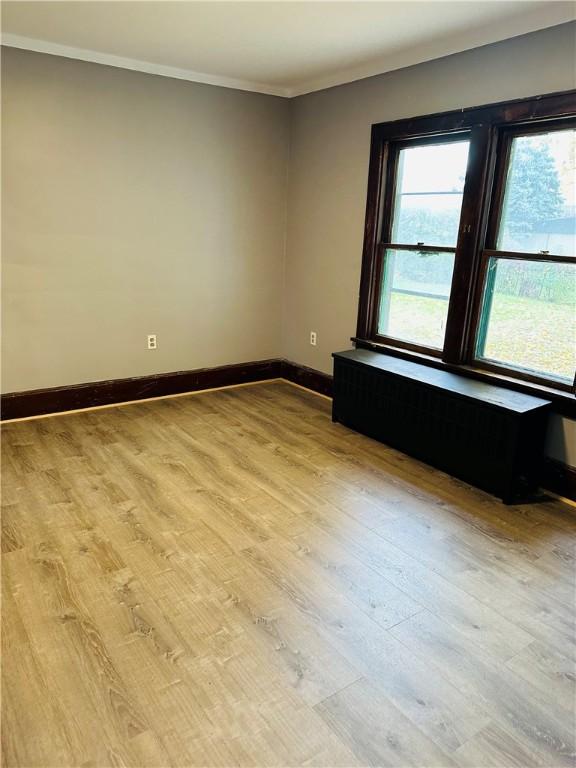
x=564, y=402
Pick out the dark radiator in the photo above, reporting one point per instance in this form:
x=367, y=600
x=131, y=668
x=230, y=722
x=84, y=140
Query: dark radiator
x=490, y=437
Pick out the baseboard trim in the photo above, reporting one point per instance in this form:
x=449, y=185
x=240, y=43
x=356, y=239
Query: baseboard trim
x=309, y=378
x=559, y=478
x=95, y=394
x=36, y=402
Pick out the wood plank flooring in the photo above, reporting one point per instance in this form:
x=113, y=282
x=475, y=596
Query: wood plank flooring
x=229, y=579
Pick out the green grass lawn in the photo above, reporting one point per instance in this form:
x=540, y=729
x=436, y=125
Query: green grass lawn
x=524, y=333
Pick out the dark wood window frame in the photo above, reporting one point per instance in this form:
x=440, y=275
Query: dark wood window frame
x=490, y=130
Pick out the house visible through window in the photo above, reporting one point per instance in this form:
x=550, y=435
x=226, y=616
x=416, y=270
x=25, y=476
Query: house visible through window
x=470, y=248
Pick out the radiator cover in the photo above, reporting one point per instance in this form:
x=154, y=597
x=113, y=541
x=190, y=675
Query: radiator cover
x=490, y=437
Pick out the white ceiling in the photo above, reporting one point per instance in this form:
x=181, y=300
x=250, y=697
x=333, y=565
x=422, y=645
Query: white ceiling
x=283, y=48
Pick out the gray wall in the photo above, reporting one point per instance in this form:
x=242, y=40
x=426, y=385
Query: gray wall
x=330, y=141
x=135, y=204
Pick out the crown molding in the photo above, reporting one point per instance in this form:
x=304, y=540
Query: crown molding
x=561, y=13
x=110, y=60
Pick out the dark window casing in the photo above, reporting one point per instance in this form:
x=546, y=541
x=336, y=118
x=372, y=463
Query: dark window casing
x=490, y=130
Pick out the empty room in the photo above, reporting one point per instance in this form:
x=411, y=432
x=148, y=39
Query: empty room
x=288, y=384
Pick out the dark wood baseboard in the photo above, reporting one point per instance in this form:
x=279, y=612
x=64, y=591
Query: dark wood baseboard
x=38, y=402
x=307, y=377
x=559, y=478
x=35, y=402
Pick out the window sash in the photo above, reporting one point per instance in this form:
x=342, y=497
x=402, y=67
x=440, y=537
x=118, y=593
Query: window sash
x=492, y=365
x=393, y=340
x=394, y=157
x=505, y=138
x=495, y=197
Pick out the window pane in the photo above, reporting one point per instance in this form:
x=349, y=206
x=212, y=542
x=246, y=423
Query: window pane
x=430, y=181
x=539, y=211
x=528, y=317
x=414, y=297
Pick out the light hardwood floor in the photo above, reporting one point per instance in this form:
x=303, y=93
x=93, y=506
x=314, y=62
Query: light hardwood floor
x=229, y=579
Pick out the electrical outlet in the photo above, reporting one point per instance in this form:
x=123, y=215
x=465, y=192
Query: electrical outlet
x=152, y=341
x=313, y=338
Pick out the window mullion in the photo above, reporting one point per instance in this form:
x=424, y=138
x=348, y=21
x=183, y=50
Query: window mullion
x=457, y=343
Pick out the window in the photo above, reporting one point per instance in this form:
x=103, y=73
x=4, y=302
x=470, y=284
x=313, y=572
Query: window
x=528, y=311
x=419, y=261
x=470, y=241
